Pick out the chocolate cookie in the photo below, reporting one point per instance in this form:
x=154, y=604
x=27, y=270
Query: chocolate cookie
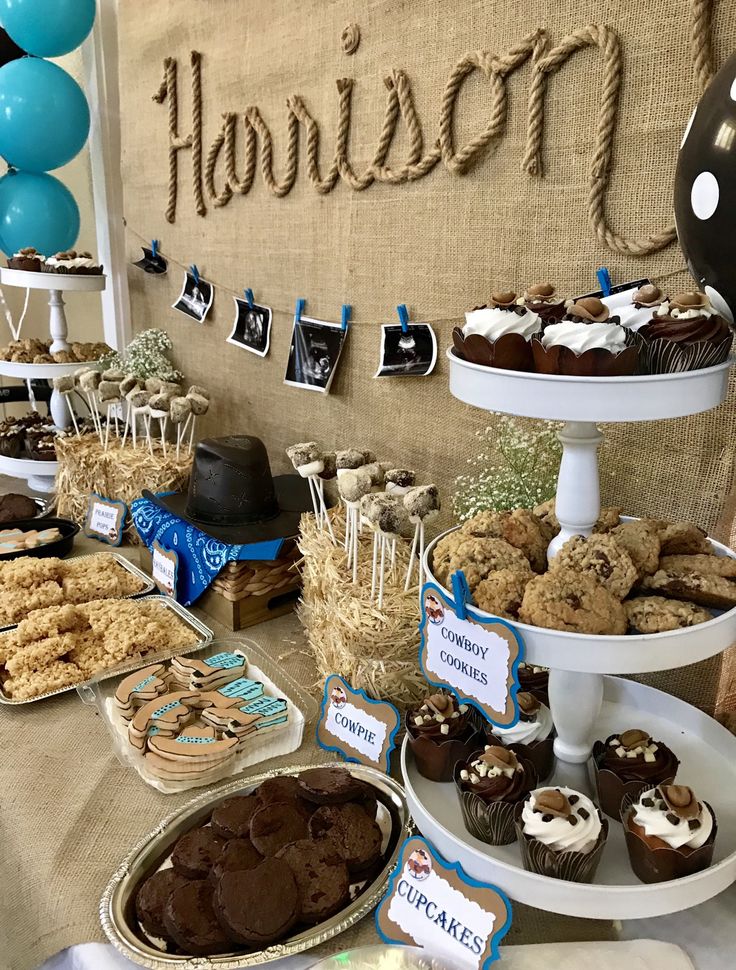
x=190, y=920
x=275, y=826
x=258, y=906
x=367, y=799
x=329, y=786
x=283, y=788
x=231, y=818
x=196, y=852
x=347, y=827
x=322, y=878
x=151, y=899
x=238, y=854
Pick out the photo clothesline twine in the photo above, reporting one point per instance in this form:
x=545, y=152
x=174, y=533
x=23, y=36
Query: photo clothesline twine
x=240, y=295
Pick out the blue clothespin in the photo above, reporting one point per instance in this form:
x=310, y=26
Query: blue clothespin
x=154, y=248
x=300, y=303
x=346, y=311
x=195, y=273
x=604, y=280
x=249, y=298
x=403, y=317
x=460, y=593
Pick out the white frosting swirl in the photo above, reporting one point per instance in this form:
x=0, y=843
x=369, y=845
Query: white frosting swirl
x=495, y=322
x=525, y=732
x=80, y=262
x=28, y=256
x=636, y=317
x=666, y=309
x=558, y=834
x=654, y=821
x=580, y=337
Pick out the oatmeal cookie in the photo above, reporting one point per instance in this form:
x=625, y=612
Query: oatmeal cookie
x=565, y=599
x=710, y=565
x=479, y=557
x=443, y=553
x=641, y=541
x=501, y=592
x=607, y=520
x=520, y=528
x=680, y=538
x=655, y=614
x=706, y=589
x=599, y=556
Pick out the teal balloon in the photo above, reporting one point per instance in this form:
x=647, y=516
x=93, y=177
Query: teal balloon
x=47, y=28
x=44, y=115
x=36, y=210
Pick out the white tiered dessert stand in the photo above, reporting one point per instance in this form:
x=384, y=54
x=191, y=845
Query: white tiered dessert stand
x=586, y=703
x=41, y=474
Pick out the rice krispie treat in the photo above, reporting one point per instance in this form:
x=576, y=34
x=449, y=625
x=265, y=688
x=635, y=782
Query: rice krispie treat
x=520, y=528
x=501, y=592
x=564, y=599
x=655, y=614
x=54, y=676
x=601, y=557
x=641, y=540
x=37, y=655
x=479, y=557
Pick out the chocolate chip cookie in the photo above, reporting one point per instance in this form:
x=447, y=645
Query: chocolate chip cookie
x=521, y=528
x=479, y=557
x=564, y=599
x=680, y=538
x=655, y=614
x=237, y=854
x=705, y=589
x=601, y=557
x=608, y=519
x=708, y=565
x=501, y=592
x=282, y=788
x=641, y=540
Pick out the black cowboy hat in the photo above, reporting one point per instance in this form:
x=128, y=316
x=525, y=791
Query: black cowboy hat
x=234, y=498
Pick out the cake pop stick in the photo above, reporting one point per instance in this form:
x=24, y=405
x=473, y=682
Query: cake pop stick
x=109, y=392
x=390, y=518
x=306, y=457
x=329, y=471
x=422, y=504
x=353, y=485
x=200, y=405
x=399, y=480
x=179, y=410
x=368, y=516
x=159, y=406
x=138, y=404
x=65, y=386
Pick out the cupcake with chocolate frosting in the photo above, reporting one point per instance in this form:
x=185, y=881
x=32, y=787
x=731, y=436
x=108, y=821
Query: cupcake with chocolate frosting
x=532, y=736
x=685, y=333
x=561, y=834
x=442, y=732
x=669, y=833
x=499, y=334
x=643, y=306
x=588, y=342
x=490, y=784
x=627, y=762
x=543, y=299
x=535, y=680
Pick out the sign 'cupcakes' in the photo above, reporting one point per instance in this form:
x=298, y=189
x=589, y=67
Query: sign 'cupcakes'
x=587, y=343
x=499, y=334
x=684, y=334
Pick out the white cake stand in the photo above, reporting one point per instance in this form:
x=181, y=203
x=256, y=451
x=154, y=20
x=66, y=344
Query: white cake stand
x=586, y=704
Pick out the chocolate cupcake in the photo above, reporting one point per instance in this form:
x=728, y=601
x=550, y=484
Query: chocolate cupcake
x=543, y=299
x=684, y=334
x=41, y=445
x=442, y=732
x=12, y=436
x=73, y=264
x=627, y=762
x=28, y=259
x=532, y=736
x=490, y=785
x=642, y=308
x=669, y=833
x=535, y=680
x=588, y=342
x=499, y=334
x=561, y=834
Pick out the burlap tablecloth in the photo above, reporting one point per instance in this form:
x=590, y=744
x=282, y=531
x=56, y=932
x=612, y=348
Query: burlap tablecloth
x=71, y=812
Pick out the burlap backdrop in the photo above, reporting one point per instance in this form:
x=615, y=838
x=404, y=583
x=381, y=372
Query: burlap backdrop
x=437, y=243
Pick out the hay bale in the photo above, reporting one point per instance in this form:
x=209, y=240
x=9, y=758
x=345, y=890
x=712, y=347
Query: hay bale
x=118, y=473
x=376, y=650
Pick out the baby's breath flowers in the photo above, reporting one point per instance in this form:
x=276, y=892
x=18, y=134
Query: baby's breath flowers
x=516, y=467
x=146, y=356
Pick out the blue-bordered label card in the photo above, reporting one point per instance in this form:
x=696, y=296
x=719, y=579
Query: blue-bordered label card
x=434, y=904
x=357, y=727
x=476, y=658
x=164, y=568
x=105, y=519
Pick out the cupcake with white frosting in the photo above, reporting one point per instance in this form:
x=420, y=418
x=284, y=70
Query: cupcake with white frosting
x=644, y=304
x=28, y=259
x=587, y=343
x=499, y=334
x=669, y=833
x=72, y=263
x=532, y=736
x=561, y=834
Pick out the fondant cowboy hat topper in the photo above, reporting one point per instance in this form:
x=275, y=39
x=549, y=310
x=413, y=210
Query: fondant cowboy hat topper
x=234, y=497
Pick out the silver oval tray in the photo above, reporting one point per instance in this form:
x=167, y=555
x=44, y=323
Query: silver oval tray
x=117, y=906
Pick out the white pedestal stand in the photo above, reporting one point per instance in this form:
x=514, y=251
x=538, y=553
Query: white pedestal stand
x=41, y=474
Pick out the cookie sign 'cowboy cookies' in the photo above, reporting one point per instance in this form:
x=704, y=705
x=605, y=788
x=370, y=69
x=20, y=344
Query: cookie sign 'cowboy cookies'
x=359, y=728
x=432, y=903
x=105, y=519
x=476, y=658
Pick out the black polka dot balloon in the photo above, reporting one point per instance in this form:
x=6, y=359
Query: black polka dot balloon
x=705, y=191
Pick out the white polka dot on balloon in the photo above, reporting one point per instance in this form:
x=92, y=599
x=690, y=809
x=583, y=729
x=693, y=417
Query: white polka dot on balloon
x=704, y=195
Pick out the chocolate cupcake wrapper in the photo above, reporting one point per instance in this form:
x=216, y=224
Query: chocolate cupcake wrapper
x=568, y=866
x=492, y=822
x=436, y=760
x=661, y=864
x=509, y=352
x=540, y=753
x=612, y=790
x=596, y=362
x=667, y=357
